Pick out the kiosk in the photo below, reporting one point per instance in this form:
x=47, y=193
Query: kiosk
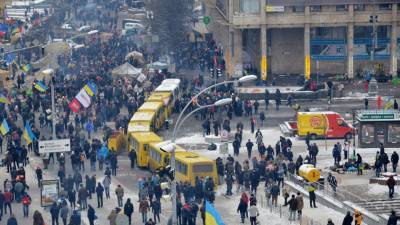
x=378, y=126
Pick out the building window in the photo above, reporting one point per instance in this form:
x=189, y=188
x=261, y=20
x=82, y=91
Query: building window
x=385, y=6
x=359, y=7
x=315, y=8
x=249, y=6
x=298, y=8
x=341, y=8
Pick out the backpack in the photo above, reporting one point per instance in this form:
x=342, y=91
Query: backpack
x=26, y=201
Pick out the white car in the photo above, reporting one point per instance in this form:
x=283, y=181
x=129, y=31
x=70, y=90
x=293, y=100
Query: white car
x=129, y=26
x=84, y=28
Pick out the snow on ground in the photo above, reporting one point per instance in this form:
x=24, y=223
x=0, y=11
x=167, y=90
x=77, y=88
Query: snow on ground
x=377, y=189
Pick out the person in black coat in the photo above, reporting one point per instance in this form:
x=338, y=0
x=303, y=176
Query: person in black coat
x=395, y=160
x=128, y=210
x=1, y=204
x=99, y=192
x=393, y=218
x=348, y=219
x=242, y=209
x=91, y=214
x=54, y=211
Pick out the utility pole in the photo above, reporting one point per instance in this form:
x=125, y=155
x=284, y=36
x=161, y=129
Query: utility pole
x=53, y=108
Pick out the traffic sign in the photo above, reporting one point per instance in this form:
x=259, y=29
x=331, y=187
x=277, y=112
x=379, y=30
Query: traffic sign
x=206, y=20
x=61, y=145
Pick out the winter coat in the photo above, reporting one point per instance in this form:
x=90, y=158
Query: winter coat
x=358, y=218
x=119, y=191
x=390, y=182
x=253, y=211
x=112, y=217
x=392, y=220
x=347, y=220
x=144, y=206
x=242, y=207
x=64, y=212
x=300, y=202
x=128, y=208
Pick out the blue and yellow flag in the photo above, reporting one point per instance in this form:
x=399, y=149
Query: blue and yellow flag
x=40, y=86
x=90, y=89
x=3, y=99
x=28, y=134
x=26, y=68
x=212, y=216
x=4, y=128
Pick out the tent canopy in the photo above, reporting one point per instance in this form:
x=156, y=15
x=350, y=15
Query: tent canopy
x=158, y=65
x=126, y=69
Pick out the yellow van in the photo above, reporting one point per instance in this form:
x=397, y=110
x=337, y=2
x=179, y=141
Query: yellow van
x=190, y=165
x=140, y=141
x=158, y=108
x=165, y=99
x=160, y=154
x=142, y=122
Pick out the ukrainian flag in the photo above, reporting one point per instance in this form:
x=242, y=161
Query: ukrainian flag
x=90, y=89
x=212, y=216
x=40, y=86
x=26, y=68
x=4, y=128
x=28, y=134
x=3, y=99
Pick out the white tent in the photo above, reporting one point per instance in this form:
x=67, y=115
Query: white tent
x=126, y=69
x=158, y=65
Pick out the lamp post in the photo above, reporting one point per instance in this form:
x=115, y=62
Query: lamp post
x=177, y=124
x=50, y=72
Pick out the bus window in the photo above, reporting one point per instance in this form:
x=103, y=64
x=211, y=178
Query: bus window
x=146, y=147
x=166, y=160
x=202, y=168
x=181, y=168
x=367, y=133
x=394, y=133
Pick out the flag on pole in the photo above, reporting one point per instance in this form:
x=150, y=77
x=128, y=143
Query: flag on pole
x=4, y=128
x=28, y=134
x=212, y=216
x=74, y=105
x=3, y=99
x=83, y=98
x=40, y=86
x=26, y=68
x=90, y=89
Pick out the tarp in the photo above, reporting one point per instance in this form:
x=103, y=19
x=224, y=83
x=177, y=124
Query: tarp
x=126, y=69
x=158, y=65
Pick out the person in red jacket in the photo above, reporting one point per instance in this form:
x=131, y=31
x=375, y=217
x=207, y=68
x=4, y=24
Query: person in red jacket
x=26, y=201
x=8, y=196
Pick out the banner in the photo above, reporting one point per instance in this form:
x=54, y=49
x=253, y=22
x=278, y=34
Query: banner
x=49, y=192
x=83, y=98
x=307, y=67
x=264, y=67
x=74, y=105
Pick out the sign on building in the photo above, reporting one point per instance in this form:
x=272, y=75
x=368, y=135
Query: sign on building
x=61, y=145
x=274, y=8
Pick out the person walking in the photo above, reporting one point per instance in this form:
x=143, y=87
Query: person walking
x=99, y=193
x=156, y=208
x=54, y=211
x=292, y=208
x=128, y=210
x=312, y=196
x=8, y=196
x=242, y=209
x=64, y=211
x=143, y=209
x=348, y=219
x=249, y=146
x=26, y=201
x=119, y=191
x=330, y=222
x=91, y=214
x=82, y=197
x=391, y=183
x=300, y=205
x=38, y=218
x=253, y=213
x=1, y=204
x=106, y=185
x=132, y=158
x=395, y=160
x=332, y=182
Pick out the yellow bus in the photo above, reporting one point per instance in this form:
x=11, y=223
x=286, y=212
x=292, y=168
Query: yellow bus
x=140, y=141
x=142, y=122
x=190, y=165
x=158, y=108
x=170, y=88
x=165, y=98
x=160, y=154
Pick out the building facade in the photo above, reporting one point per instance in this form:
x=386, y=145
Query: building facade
x=309, y=36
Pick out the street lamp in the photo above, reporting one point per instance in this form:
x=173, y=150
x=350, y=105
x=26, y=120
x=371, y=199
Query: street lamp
x=220, y=102
x=50, y=72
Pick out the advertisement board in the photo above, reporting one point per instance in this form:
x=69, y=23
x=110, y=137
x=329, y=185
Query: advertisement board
x=49, y=192
x=60, y=145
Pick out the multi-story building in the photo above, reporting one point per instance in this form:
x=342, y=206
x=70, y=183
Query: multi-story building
x=309, y=36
